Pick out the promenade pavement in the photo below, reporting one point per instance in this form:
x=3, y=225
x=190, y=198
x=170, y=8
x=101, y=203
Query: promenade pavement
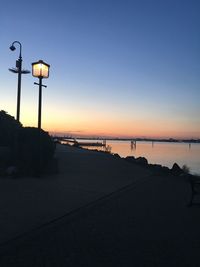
x=123, y=216
x=84, y=176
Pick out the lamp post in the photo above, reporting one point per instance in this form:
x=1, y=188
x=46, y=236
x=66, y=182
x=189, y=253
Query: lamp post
x=18, y=70
x=40, y=69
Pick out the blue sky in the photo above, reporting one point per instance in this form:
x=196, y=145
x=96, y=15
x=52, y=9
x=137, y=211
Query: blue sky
x=128, y=68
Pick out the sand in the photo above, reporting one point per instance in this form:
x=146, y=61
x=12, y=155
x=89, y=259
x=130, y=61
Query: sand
x=98, y=211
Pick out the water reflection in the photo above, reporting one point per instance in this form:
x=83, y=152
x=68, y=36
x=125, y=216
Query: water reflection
x=164, y=153
x=133, y=145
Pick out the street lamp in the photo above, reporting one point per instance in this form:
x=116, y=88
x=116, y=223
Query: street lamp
x=18, y=70
x=40, y=69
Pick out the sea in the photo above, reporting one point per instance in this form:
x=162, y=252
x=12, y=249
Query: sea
x=156, y=152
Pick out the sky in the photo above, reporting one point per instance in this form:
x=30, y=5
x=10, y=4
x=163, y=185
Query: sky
x=117, y=67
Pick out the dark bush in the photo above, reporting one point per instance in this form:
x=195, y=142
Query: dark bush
x=35, y=150
x=8, y=129
x=23, y=148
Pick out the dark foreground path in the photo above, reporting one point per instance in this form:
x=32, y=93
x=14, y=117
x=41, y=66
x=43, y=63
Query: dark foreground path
x=84, y=176
x=147, y=224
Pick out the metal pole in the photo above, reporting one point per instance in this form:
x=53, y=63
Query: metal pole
x=40, y=103
x=39, y=126
x=19, y=86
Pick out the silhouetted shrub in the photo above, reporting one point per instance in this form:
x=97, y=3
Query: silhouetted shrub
x=5, y=156
x=9, y=127
x=35, y=150
x=23, y=148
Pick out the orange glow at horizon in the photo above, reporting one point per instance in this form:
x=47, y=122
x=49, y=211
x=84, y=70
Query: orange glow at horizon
x=111, y=128
x=77, y=123
x=114, y=129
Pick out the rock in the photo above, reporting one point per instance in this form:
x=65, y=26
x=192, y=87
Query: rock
x=158, y=169
x=165, y=169
x=130, y=159
x=176, y=170
x=116, y=155
x=155, y=167
x=142, y=161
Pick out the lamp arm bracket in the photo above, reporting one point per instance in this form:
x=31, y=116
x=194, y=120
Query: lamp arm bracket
x=42, y=84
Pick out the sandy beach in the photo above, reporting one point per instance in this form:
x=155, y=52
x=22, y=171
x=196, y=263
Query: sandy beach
x=99, y=210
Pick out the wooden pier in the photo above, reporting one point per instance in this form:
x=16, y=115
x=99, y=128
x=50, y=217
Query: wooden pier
x=78, y=143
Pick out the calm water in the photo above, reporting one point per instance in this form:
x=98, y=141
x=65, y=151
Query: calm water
x=163, y=153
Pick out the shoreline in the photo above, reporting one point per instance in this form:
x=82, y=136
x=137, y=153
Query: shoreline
x=143, y=162
x=162, y=153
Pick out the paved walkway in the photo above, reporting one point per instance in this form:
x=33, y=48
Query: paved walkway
x=147, y=223
x=84, y=176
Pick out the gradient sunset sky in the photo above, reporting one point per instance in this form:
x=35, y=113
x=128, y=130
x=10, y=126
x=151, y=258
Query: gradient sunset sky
x=118, y=68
